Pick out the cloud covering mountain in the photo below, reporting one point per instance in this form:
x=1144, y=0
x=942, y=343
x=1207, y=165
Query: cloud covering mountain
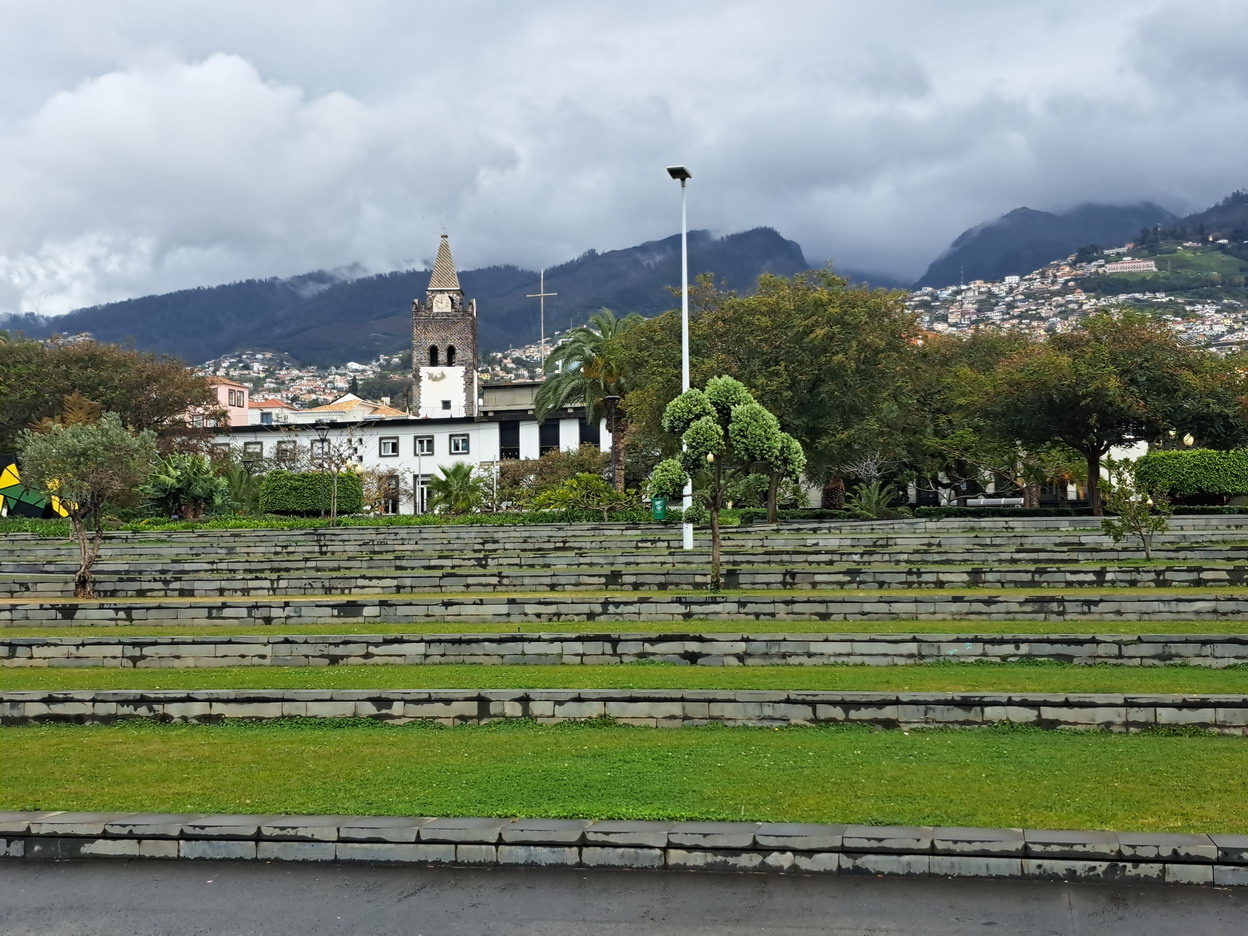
x=147, y=146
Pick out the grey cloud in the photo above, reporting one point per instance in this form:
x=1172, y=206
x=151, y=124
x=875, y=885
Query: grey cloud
x=147, y=146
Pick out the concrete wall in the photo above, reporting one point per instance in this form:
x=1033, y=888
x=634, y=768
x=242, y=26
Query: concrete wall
x=1218, y=860
x=460, y=577
x=590, y=649
x=1226, y=715
x=569, y=606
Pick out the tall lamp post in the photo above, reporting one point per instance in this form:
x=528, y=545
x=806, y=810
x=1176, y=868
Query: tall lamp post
x=683, y=175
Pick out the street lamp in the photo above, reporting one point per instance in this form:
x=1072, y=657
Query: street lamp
x=322, y=435
x=683, y=175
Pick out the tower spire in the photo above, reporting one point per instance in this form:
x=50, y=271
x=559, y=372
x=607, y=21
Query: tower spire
x=444, y=275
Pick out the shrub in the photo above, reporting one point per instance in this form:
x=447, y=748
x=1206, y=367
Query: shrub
x=1197, y=474
x=307, y=493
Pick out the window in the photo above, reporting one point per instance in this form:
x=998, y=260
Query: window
x=446, y=404
x=590, y=432
x=389, y=446
x=319, y=449
x=424, y=445
x=235, y=397
x=459, y=445
x=253, y=451
x=221, y=449
x=389, y=494
x=450, y=355
x=508, y=440
x=287, y=452
x=433, y=355
x=548, y=437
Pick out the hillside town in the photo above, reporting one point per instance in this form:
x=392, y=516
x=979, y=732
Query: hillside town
x=1053, y=298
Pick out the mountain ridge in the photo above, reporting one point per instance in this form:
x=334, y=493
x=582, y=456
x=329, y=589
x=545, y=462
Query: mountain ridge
x=329, y=317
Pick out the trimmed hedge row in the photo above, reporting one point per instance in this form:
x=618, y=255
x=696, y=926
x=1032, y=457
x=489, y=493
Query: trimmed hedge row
x=304, y=493
x=1194, y=472
x=940, y=513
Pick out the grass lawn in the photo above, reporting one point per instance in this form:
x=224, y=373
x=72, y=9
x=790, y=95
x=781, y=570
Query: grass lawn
x=1223, y=626
x=934, y=677
x=990, y=777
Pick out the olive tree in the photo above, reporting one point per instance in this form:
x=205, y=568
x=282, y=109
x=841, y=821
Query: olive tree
x=724, y=433
x=84, y=465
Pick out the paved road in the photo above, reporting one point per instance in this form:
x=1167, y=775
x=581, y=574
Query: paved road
x=112, y=898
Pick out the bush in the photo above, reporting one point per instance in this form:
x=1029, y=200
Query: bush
x=941, y=513
x=1197, y=474
x=308, y=493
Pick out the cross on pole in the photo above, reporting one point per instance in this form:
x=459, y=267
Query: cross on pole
x=541, y=294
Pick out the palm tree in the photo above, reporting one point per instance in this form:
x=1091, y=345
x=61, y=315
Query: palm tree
x=580, y=370
x=458, y=491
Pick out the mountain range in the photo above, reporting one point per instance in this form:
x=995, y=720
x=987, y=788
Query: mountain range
x=330, y=317
x=333, y=317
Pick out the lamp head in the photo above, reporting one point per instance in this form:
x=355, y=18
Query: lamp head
x=679, y=173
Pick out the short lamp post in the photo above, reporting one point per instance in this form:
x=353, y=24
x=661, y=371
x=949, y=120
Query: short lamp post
x=612, y=403
x=683, y=175
x=322, y=435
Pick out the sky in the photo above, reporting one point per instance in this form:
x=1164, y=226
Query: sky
x=153, y=145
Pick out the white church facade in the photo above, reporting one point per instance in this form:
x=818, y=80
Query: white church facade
x=453, y=420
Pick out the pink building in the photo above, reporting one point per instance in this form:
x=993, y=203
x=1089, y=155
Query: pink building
x=233, y=399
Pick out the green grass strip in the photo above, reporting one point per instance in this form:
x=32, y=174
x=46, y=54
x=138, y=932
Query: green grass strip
x=990, y=777
x=1126, y=626
x=1041, y=676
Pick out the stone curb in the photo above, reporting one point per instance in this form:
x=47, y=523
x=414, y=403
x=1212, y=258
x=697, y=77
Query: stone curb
x=570, y=606
x=1219, y=860
x=660, y=708
x=710, y=649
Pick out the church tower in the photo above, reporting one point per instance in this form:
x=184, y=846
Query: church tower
x=444, y=345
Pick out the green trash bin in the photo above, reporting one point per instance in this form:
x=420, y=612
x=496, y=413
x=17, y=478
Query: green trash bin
x=658, y=508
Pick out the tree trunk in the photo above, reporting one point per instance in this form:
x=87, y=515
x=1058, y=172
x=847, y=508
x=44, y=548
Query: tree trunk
x=1094, y=484
x=833, y=494
x=87, y=554
x=617, y=476
x=333, y=502
x=772, y=491
x=715, y=582
x=1031, y=495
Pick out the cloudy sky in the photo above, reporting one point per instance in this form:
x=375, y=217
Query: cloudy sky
x=150, y=145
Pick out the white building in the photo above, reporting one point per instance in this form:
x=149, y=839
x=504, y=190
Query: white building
x=456, y=421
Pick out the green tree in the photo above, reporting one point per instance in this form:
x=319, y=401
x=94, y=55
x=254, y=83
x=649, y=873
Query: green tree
x=185, y=485
x=582, y=369
x=459, y=490
x=724, y=434
x=84, y=465
x=827, y=358
x=1118, y=377
x=585, y=491
x=145, y=391
x=522, y=479
x=1137, y=511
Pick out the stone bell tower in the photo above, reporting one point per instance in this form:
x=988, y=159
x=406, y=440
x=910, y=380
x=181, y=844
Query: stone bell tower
x=444, y=345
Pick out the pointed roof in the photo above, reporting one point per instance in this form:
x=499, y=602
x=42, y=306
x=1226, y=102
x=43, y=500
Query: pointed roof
x=444, y=275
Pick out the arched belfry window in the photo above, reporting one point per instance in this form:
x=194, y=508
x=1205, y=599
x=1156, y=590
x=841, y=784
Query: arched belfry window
x=450, y=355
x=433, y=355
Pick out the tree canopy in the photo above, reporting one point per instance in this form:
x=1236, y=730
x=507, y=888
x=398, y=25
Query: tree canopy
x=145, y=391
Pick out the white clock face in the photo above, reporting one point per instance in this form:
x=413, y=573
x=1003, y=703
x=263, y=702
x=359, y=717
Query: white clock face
x=441, y=303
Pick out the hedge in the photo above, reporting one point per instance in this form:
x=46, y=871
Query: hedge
x=305, y=493
x=1194, y=472
x=940, y=513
